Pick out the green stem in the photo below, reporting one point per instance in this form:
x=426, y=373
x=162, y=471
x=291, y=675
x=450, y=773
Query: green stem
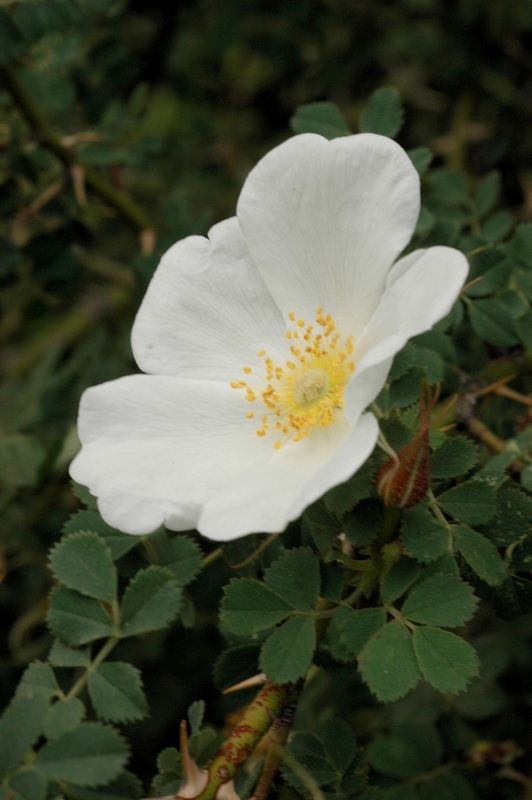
x=49, y=139
x=211, y=557
x=109, y=645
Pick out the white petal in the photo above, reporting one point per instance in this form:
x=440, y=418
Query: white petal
x=325, y=220
x=206, y=310
x=278, y=491
x=157, y=449
x=420, y=290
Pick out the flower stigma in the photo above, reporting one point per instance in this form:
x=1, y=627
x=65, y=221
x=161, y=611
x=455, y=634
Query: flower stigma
x=309, y=388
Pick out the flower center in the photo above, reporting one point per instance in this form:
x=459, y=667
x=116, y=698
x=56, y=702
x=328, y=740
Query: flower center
x=308, y=389
x=311, y=386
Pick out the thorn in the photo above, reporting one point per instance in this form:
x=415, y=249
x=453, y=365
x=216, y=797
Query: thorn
x=493, y=387
x=472, y=283
x=226, y=791
x=147, y=241
x=196, y=779
x=78, y=182
x=256, y=680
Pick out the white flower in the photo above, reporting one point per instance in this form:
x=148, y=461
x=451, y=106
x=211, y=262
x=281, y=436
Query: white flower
x=264, y=344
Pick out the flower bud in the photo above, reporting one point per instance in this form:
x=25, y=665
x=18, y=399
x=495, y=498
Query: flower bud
x=403, y=480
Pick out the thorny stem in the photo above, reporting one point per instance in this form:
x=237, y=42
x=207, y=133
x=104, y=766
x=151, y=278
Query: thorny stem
x=49, y=139
x=251, y=727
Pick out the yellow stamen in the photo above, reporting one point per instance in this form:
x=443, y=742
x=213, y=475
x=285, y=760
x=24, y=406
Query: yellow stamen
x=307, y=391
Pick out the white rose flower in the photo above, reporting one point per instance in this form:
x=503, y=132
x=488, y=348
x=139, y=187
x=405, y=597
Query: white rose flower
x=264, y=344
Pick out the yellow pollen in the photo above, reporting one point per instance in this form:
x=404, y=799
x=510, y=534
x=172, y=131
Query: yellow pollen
x=306, y=392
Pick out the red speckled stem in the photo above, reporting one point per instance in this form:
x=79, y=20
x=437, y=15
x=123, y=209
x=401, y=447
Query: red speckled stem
x=255, y=722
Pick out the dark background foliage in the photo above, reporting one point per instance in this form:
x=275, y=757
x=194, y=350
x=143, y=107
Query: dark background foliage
x=172, y=108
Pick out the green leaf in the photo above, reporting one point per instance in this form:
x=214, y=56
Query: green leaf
x=403, y=361
x=332, y=581
x=236, y=664
x=28, y=785
x=497, y=226
x=447, y=187
x=21, y=724
x=446, y=787
x=115, y=690
x=388, y=664
x=492, y=324
x=349, y=630
x=77, y=619
x=423, y=537
x=481, y=555
x=296, y=578
x=63, y=716
x=249, y=606
x=321, y=524
x=365, y=522
x=179, y=554
x=287, y=653
x=11, y=41
x=513, y=518
x=39, y=677
x=340, y=743
x=456, y=456
x=83, y=562
x=521, y=244
x=83, y=494
x=90, y=755
x=473, y=502
x=151, y=601
x=384, y=113
x=487, y=193
x=90, y=520
x=125, y=787
x=399, y=579
x=412, y=750
x=406, y=390
x=195, y=713
x=347, y=495
x=421, y=158
x=447, y=662
x=523, y=329
x=322, y=117
x=310, y=752
x=440, y=600
x=63, y=656
x=20, y=459
x=170, y=769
